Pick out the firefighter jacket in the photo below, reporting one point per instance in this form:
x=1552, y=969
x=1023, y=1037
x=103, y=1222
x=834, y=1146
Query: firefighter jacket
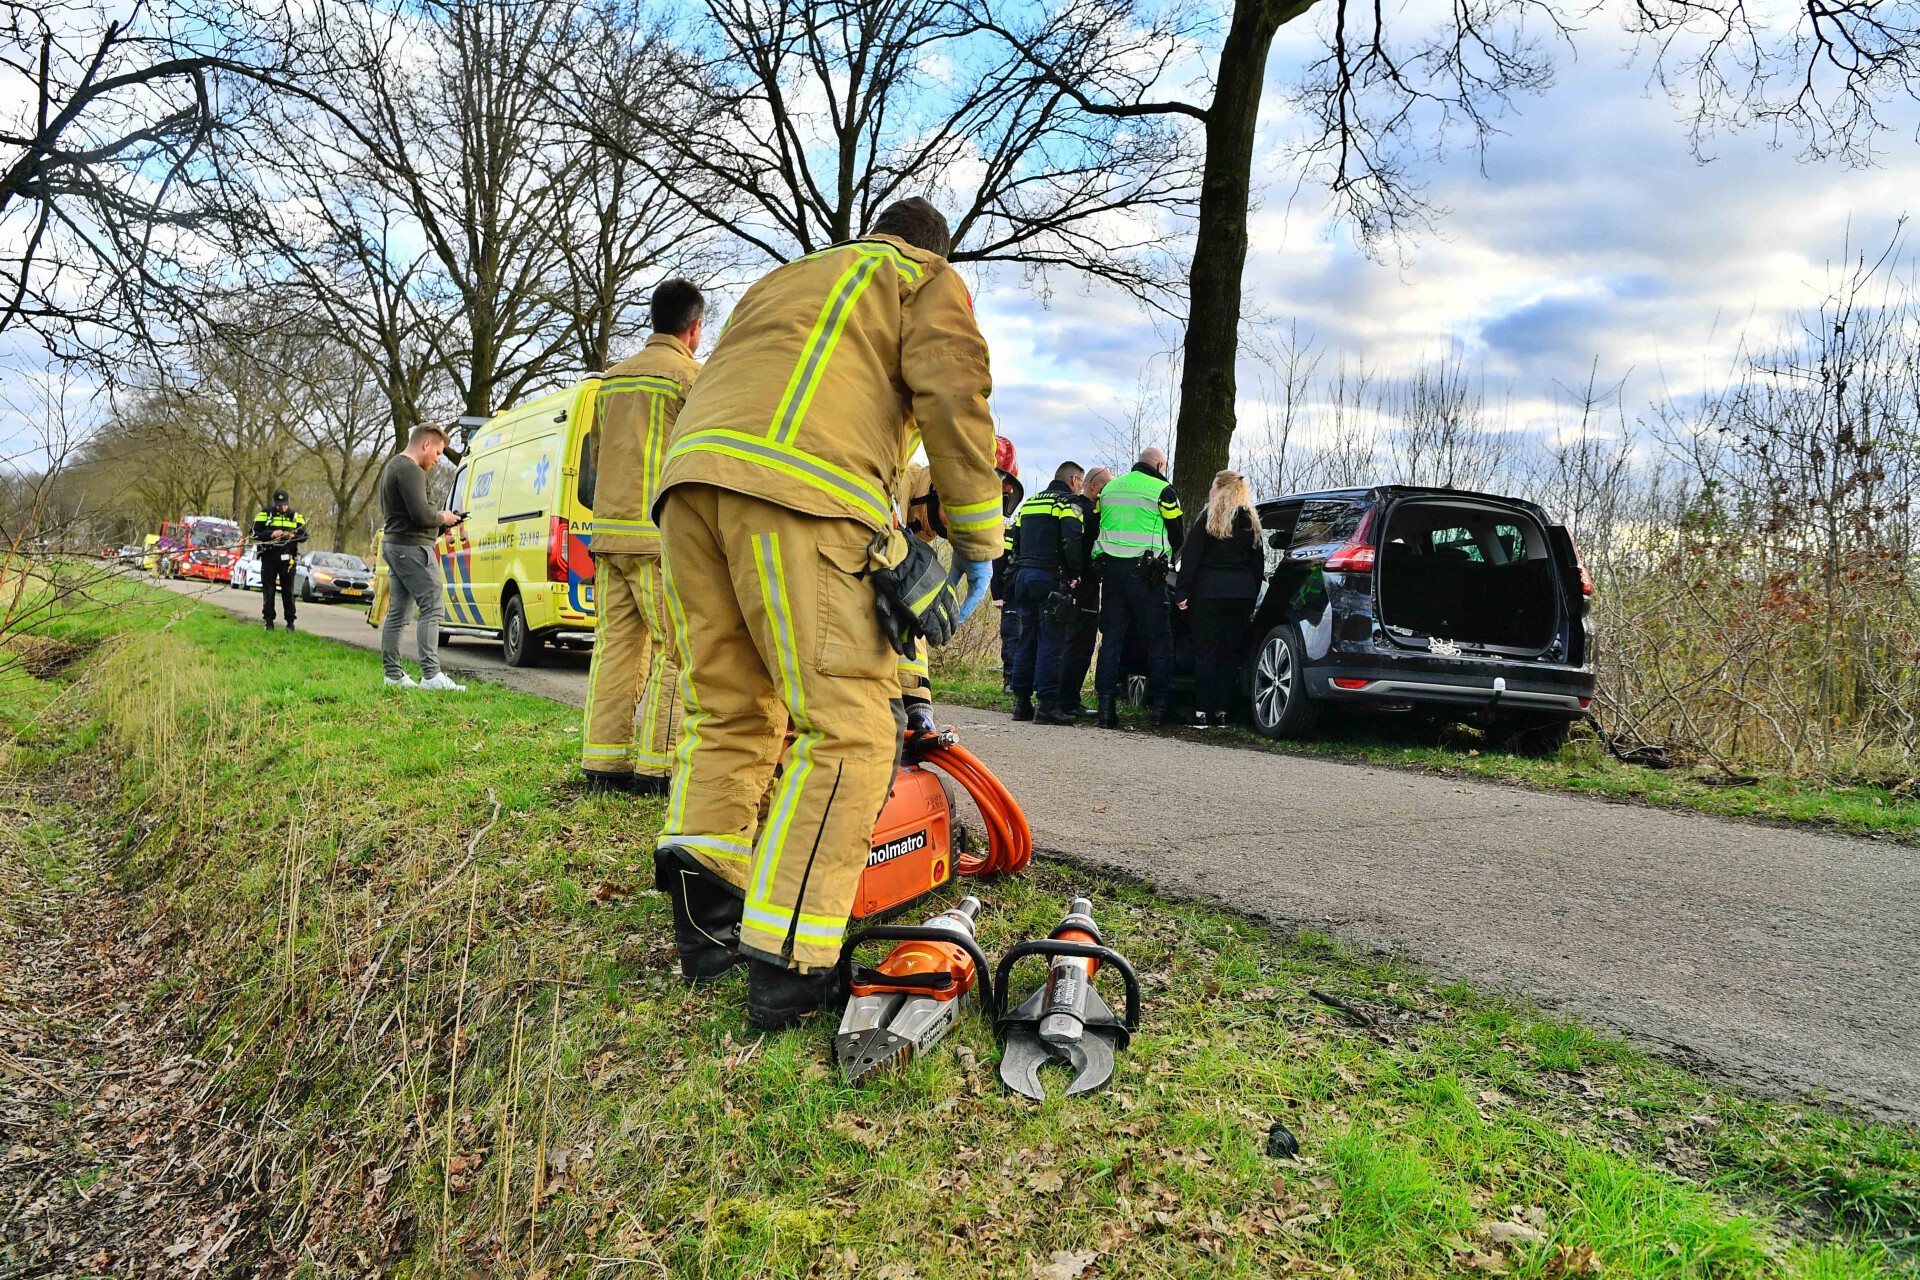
x=1049, y=532
x=807, y=399
x=633, y=419
x=279, y=533
x=1139, y=516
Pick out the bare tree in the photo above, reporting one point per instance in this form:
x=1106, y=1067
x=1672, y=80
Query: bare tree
x=1392, y=87
x=792, y=123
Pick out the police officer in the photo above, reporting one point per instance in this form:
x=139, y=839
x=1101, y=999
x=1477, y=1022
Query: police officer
x=1078, y=656
x=1047, y=564
x=278, y=533
x=787, y=580
x=1140, y=531
x=634, y=668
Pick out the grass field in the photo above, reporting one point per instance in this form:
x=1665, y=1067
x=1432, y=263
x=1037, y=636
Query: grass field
x=1888, y=808
x=432, y=979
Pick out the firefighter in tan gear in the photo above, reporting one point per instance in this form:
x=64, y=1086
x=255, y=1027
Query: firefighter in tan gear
x=634, y=664
x=791, y=586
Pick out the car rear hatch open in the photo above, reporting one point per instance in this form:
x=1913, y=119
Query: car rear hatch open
x=1468, y=575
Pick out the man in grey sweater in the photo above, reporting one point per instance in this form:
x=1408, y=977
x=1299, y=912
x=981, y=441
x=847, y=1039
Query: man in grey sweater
x=410, y=524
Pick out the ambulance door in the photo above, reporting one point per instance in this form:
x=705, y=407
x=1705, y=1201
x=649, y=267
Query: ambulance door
x=529, y=501
x=480, y=538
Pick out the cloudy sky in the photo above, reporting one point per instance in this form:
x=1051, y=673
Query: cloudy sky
x=1593, y=233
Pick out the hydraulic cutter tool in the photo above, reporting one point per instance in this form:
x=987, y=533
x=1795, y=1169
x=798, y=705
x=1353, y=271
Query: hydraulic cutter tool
x=1065, y=1020
x=903, y=1007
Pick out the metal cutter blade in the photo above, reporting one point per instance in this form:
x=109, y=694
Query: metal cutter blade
x=1091, y=1056
x=865, y=1053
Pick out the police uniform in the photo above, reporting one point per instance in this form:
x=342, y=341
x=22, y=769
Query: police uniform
x=1046, y=560
x=634, y=665
x=278, y=535
x=1077, y=659
x=1141, y=526
x=783, y=466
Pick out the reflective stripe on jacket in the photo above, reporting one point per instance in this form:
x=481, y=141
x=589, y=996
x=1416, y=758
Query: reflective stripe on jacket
x=808, y=397
x=267, y=522
x=1139, y=515
x=633, y=419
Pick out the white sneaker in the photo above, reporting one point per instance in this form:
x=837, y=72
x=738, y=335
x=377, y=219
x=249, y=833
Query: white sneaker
x=404, y=682
x=443, y=683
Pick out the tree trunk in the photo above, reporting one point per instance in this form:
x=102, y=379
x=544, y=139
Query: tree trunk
x=1203, y=436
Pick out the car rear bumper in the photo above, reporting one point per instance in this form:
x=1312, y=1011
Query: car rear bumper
x=1555, y=691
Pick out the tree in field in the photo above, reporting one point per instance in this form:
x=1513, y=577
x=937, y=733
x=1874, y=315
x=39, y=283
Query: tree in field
x=449, y=226
x=792, y=123
x=1391, y=86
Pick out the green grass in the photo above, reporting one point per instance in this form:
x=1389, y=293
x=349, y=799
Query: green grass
x=535, y=1091
x=1884, y=808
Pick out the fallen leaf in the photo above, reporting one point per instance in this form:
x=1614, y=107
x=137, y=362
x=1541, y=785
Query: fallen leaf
x=1512, y=1233
x=1046, y=1181
x=1065, y=1265
x=1567, y=1263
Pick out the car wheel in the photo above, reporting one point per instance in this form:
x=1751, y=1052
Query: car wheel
x=1281, y=707
x=518, y=645
x=306, y=592
x=1542, y=736
x=1136, y=691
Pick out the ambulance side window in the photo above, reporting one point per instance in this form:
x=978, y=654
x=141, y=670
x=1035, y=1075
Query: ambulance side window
x=458, y=502
x=583, y=488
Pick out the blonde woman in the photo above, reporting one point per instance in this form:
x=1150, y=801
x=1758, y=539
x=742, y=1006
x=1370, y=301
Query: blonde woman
x=1221, y=566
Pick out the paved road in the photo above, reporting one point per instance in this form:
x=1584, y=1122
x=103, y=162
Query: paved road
x=1786, y=959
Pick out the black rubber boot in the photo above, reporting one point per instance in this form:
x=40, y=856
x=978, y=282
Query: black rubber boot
x=648, y=785
x=778, y=997
x=602, y=780
x=706, y=916
x=1022, y=706
x=1163, y=714
x=1109, y=711
x=1051, y=714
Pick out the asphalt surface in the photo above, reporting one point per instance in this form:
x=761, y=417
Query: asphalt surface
x=1784, y=959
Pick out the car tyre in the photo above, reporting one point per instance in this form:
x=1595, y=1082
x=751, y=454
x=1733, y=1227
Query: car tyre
x=1535, y=736
x=306, y=591
x=518, y=645
x=1281, y=707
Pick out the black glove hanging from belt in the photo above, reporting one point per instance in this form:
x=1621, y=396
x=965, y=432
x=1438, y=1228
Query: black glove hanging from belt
x=915, y=596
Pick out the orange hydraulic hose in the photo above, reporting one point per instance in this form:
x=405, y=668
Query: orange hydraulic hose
x=1009, y=838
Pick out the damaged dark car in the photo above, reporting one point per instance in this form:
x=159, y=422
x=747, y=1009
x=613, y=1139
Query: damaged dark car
x=1469, y=606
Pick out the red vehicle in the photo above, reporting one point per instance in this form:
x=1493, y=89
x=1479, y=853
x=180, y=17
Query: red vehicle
x=203, y=547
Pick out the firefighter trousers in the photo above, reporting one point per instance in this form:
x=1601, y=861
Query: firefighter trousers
x=774, y=627
x=633, y=694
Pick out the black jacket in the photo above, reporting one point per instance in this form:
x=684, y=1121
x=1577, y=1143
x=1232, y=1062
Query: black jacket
x=1049, y=534
x=1230, y=568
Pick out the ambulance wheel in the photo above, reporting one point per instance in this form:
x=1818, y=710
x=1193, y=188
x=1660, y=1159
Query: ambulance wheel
x=518, y=644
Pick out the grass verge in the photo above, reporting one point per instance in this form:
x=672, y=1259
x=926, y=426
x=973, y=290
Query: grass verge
x=430, y=978
x=1886, y=808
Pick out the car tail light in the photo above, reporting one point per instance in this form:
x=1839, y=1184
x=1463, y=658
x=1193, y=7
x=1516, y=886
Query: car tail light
x=1585, y=703
x=1346, y=682
x=1356, y=553
x=557, y=550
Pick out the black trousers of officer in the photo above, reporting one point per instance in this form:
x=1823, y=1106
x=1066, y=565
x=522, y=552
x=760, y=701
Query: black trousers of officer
x=1134, y=602
x=276, y=574
x=1078, y=657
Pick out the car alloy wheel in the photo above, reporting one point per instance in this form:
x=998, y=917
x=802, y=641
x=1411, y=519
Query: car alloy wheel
x=1280, y=705
x=517, y=644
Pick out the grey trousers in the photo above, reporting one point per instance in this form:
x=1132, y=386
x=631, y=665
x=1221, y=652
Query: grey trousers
x=414, y=583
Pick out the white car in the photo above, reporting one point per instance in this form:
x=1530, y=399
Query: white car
x=246, y=571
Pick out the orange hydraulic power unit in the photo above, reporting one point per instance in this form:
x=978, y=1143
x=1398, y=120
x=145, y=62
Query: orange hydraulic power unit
x=917, y=845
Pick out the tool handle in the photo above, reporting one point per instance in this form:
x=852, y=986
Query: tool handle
x=1057, y=947
x=920, y=933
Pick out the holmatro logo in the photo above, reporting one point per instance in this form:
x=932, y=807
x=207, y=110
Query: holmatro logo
x=897, y=848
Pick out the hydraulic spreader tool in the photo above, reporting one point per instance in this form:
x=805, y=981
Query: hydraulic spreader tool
x=902, y=1008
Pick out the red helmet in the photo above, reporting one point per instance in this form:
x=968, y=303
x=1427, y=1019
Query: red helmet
x=1003, y=457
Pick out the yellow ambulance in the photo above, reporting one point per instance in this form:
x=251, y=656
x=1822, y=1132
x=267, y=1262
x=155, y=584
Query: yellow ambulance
x=519, y=568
